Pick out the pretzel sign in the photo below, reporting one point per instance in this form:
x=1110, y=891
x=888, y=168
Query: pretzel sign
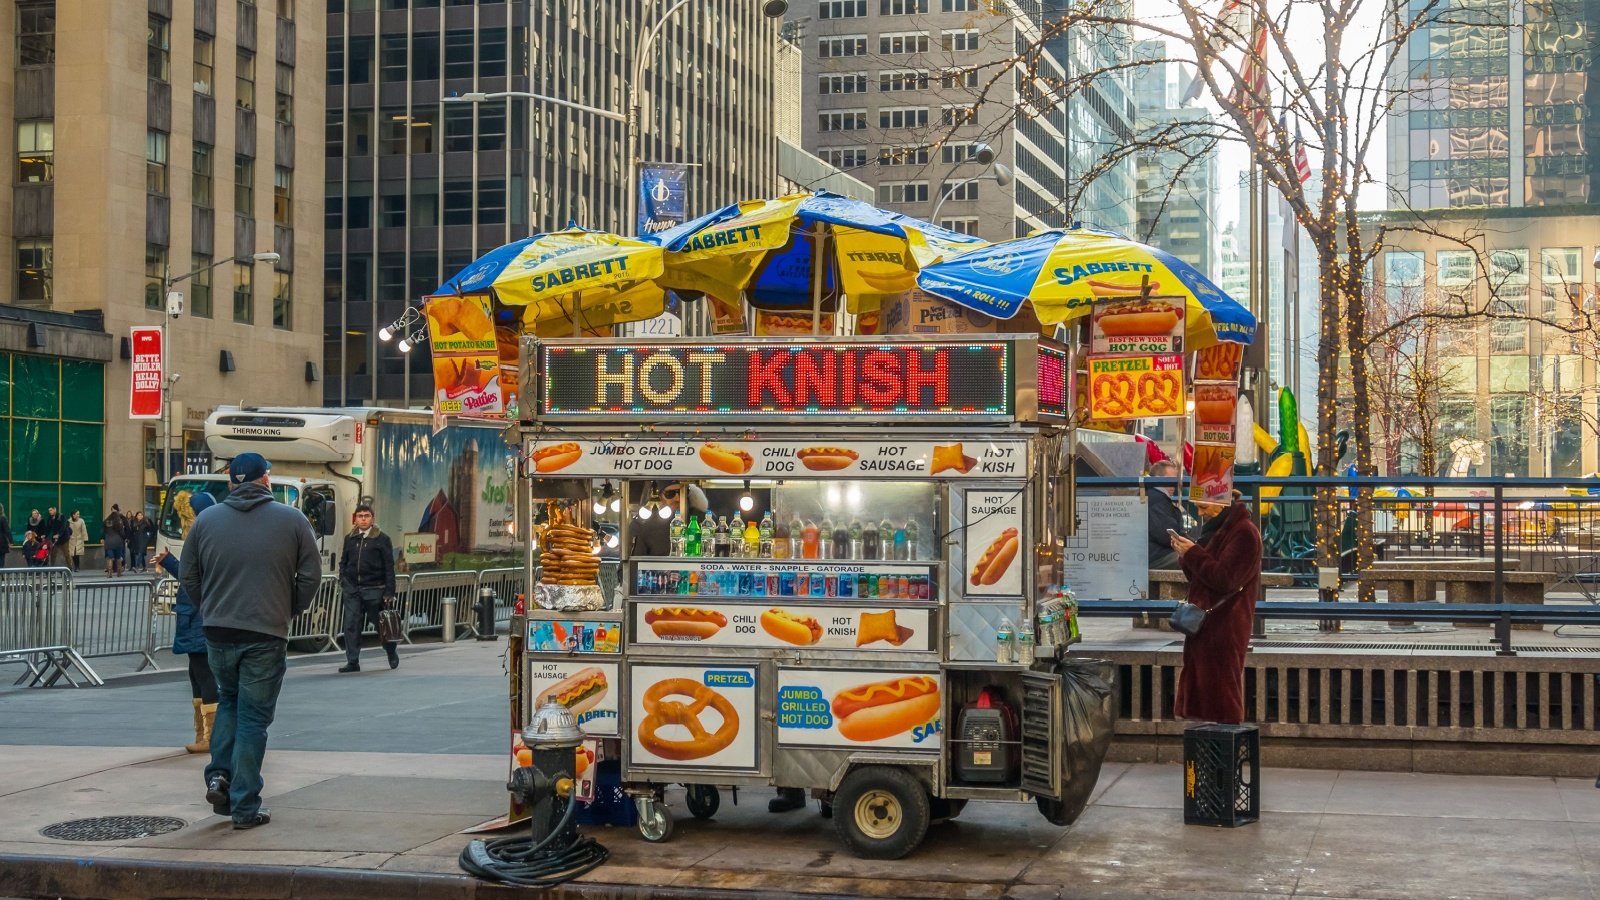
x=661, y=712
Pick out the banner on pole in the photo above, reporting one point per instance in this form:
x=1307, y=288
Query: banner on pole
x=149, y=370
x=662, y=196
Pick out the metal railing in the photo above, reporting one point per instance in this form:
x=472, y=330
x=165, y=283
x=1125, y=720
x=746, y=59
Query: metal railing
x=37, y=612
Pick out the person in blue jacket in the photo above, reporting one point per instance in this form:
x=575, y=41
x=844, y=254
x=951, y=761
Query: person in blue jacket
x=189, y=639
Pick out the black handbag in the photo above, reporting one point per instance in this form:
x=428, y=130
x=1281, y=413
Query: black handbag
x=390, y=629
x=1187, y=619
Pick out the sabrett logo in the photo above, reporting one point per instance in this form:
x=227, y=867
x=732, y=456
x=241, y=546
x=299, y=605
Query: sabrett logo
x=1066, y=276
x=582, y=270
x=724, y=238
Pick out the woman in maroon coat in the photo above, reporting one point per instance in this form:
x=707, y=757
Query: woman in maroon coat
x=1224, y=566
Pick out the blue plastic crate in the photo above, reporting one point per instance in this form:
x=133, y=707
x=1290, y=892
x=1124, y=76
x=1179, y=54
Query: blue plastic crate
x=611, y=806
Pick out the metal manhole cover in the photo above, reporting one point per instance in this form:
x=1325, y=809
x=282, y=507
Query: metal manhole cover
x=112, y=828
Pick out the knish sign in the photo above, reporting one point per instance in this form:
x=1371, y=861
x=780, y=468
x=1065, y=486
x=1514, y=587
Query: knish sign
x=969, y=379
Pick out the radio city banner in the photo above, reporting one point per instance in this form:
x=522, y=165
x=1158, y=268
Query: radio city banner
x=149, y=363
x=662, y=196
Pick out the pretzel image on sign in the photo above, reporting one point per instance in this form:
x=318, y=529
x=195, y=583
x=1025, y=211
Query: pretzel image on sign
x=661, y=711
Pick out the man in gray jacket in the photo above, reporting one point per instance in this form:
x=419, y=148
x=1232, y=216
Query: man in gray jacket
x=250, y=565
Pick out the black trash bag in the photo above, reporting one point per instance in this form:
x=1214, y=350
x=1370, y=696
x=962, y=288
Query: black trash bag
x=1088, y=712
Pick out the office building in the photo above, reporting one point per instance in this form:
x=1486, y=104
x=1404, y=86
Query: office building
x=893, y=91
x=156, y=139
x=1177, y=180
x=417, y=188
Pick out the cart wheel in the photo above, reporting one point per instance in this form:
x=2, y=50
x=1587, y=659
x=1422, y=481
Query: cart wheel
x=655, y=822
x=703, y=799
x=881, y=812
x=943, y=810
x=1054, y=810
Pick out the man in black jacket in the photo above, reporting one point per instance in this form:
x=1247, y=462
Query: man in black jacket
x=366, y=578
x=1164, y=513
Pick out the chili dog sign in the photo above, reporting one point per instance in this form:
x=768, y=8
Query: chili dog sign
x=956, y=380
x=784, y=459
x=781, y=626
x=837, y=708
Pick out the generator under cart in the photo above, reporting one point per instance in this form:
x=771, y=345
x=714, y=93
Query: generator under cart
x=868, y=610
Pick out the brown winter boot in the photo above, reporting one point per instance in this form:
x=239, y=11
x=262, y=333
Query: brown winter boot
x=205, y=715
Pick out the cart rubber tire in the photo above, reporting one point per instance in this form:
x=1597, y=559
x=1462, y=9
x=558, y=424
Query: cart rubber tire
x=1052, y=810
x=655, y=820
x=943, y=810
x=881, y=812
x=703, y=800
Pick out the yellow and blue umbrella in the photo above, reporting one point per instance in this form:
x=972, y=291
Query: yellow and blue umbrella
x=1063, y=272
x=766, y=249
x=563, y=279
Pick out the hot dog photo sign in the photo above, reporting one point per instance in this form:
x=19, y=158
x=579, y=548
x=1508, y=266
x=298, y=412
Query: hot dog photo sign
x=993, y=542
x=837, y=708
x=780, y=626
x=589, y=691
x=700, y=716
x=783, y=459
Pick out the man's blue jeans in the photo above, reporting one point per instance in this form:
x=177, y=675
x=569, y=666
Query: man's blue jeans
x=248, y=679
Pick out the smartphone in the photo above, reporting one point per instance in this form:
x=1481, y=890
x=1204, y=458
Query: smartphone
x=1171, y=533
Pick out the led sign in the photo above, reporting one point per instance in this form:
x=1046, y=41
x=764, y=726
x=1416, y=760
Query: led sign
x=1052, y=381
x=743, y=379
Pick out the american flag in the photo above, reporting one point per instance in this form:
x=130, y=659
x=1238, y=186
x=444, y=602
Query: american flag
x=1302, y=165
x=1252, y=96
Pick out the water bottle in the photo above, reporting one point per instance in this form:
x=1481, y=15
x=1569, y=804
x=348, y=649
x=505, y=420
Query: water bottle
x=902, y=544
x=677, y=531
x=871, y=543
x=766, y=536
x=855, y=539
x=736, y=536
x=1025, y=645
x=723, y=548
x=911, y=541
x=1002, y=642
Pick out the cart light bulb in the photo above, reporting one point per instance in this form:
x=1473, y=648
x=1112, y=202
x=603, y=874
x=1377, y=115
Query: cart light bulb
x=612, y=541
x=599, y=507
x=644, y=512
x=664, y=512
x=747, y=503
x=616, y=504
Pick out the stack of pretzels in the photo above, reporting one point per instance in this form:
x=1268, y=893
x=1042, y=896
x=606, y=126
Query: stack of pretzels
x=569, y=556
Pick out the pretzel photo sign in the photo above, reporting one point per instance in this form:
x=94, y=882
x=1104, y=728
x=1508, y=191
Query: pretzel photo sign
x=694, y=716
x=1136, y=387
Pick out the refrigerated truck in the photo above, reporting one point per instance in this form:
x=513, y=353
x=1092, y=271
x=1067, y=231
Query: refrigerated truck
x=443, y=497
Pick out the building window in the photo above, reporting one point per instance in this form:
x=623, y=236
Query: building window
x=36, y=143
x=957, y=153
x=491, y=52
x=491, y=201
x=458, y=54
x=902, y=81
x=903, y=192
x=842, y=120
x=392, y=203
x=33, y=273
x=244, y=194
x=425, y=56
x=333, y=134
x=842, y=45
x=358, y=205
x=359, y=139
x=959, y=78
x=282, y=300
x=200, y=180
x=333, y=209
x=159, y=52
x=904, y=42
x=283, y=106
x=244, y=303
x=841, y=84
x=155, y=162
x=36, y=32
x=961, y=225
x=286, y=10
x=903, y=156
x=962, y=190
x=244, y=80
x=491, y=126
x=963, y=41
x=458, y=203
x=204, y=63
x=901, y=7
x=392, y=57
x=335, y=61
x=155, y=274
x=200, y=287
x=844, y=157
x=903, y=117
x=458, y=128
x=283, y=196
x=842, y=9
x=958, y=5
x=360, y=62
x=424, y=203
x=958, y=115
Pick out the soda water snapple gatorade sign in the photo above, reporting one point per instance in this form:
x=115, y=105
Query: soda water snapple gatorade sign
x=837, y=708
x=693, y=716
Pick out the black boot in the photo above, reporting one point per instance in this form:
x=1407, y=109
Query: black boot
x=788, y=800
x=393, y=652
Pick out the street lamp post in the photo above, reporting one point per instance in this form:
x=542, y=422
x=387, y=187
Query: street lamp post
x=174, y=301
x=982, y=154
x=630, y=119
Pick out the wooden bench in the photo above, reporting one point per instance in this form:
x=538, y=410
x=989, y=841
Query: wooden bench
x=1171, y=584
x=1464, y=581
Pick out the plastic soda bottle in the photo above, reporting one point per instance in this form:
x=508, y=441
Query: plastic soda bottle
x=901, y=544
x=856, y=539
x=736, y=536
x=912, y=535
x=781, y=541
x=692, y=537
x=871, y=545
x=752, y=539
x=810, y=543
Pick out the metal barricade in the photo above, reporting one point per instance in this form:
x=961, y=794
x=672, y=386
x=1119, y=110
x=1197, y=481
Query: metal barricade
x=402, y=584
x=320, y=621
x=115, y=618
x=421, y=606
x=36, y=626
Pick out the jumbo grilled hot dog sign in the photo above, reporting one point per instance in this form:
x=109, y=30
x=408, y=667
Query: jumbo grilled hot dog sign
x=783, y=459
x=760, y=380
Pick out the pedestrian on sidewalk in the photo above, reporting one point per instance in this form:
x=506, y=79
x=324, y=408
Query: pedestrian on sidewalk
x=1224, y=572
x=141, y=534
x=366, y=579
x=5, y=536
x=77, y=539
x=114, y=536
x=189, y=639
x=250, y=565
x=56, y=532
x=35, y=550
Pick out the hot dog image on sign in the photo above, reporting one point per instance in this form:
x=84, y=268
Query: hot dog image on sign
x=589, y=691
x=993, y=541
x=694, y=716
x=834, y=708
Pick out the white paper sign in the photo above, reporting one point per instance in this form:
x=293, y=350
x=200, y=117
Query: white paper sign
x=783, y=459
x=1109, y=557
x=693, y=716
x=993, y=541
x=671, y=621
x=590, y=691
x=835, y=708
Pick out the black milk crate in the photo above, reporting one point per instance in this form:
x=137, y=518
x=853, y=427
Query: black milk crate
x=1221, y=775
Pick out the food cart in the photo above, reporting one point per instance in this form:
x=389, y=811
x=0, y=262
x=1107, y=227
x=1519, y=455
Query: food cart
x=888, y=635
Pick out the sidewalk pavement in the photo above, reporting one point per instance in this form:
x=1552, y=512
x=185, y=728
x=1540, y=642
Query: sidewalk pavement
x=351, y=820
